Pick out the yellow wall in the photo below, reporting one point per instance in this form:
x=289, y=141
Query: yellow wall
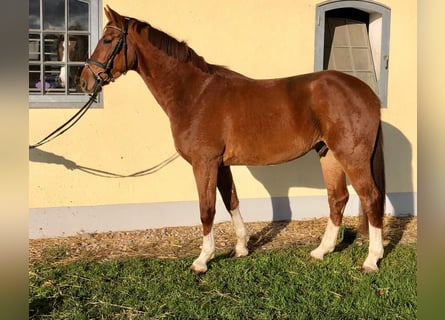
x=261, y=39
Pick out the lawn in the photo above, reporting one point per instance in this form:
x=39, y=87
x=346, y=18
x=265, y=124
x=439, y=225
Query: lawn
x=271, y=284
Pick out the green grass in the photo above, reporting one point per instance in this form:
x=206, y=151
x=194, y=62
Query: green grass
x=279, y=284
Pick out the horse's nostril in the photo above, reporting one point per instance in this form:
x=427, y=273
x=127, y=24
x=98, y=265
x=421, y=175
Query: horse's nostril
x=83, y=84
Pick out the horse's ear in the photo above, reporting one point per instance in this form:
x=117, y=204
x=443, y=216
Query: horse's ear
x=111, y=14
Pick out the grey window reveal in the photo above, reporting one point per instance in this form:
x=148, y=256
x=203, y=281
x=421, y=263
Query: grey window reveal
x=61, y=33
x=353, y=37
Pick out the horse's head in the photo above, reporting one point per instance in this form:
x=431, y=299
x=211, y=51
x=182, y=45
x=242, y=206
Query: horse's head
x=111, y=57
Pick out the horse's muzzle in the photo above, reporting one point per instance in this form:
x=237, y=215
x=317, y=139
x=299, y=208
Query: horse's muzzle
x=89, y=84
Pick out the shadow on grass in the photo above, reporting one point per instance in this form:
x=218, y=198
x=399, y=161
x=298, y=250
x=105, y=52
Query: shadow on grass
x=266, y=235
x=41, y=307
x=347, y=236
x=395, y=227
x=394, y=230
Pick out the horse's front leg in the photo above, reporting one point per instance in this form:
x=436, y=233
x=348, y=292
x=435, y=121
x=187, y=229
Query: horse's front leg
x=206, y=173
x=227, y=189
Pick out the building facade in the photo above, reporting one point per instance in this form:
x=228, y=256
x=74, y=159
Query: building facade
x=116, y=169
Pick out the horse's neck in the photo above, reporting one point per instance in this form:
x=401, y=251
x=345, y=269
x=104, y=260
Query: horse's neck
x=172, y=83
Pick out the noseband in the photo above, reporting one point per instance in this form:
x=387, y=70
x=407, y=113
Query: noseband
x=108, y=65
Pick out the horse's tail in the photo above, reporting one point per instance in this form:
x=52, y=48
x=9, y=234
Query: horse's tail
x=378, y=174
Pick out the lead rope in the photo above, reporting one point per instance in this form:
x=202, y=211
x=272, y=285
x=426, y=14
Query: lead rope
x=72, y=121
x=101, y=173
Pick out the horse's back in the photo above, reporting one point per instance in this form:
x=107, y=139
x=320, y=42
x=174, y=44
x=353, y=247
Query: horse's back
x=261, y=122
x=265, y=121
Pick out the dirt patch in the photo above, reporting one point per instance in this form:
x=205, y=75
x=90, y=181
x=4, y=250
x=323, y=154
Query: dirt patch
x=172, y=242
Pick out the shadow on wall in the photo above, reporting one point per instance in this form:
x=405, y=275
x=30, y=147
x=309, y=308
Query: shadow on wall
x=37, y=155
x=306, y=172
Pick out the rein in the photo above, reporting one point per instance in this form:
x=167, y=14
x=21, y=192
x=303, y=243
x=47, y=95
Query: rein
x=122, y=43
x=71, y=121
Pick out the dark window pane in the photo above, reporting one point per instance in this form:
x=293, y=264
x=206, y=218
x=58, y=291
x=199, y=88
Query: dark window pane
x=52, y=79
x=54, y=14
x=78, y=48
x=74, y=76
x=78, y=15
x=34, y=79
x=34, y=14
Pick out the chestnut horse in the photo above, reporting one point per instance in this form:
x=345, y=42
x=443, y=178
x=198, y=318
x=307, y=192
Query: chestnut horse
x=221, y=118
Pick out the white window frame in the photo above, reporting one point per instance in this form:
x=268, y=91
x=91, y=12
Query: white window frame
x=379, y=29
x=74, y=100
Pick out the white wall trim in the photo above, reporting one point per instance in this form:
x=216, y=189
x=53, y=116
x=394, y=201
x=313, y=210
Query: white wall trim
x=68, y=221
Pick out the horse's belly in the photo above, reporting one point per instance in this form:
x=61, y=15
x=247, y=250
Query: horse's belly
x=259, y=153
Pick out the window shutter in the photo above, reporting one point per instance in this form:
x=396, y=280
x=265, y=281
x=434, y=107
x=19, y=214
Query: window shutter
x=348, y=49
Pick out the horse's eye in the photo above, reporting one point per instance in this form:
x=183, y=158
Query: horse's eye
x=108, y=41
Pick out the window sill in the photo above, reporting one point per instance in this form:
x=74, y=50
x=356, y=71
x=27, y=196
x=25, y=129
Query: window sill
x=62, y=102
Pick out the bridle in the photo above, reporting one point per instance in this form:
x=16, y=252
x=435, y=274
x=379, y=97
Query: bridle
x=108, y=65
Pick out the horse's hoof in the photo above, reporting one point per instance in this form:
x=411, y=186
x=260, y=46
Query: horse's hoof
x=197, y=268
x=317, y=254
x=240, y=252
x=369, y=269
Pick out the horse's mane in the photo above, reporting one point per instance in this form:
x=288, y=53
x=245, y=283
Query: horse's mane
x=178, y=50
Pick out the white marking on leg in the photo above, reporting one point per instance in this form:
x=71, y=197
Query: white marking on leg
x=241, y=233
x=328, y=241
x=207, y=253
x=375, y=249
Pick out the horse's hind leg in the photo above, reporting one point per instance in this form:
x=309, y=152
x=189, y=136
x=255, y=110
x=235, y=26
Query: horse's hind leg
x=335, y=180
x=371, y=199
x=228, y=193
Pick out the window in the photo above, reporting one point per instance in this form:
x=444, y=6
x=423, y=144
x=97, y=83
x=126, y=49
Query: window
x=60, y=36
x=353, y=37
